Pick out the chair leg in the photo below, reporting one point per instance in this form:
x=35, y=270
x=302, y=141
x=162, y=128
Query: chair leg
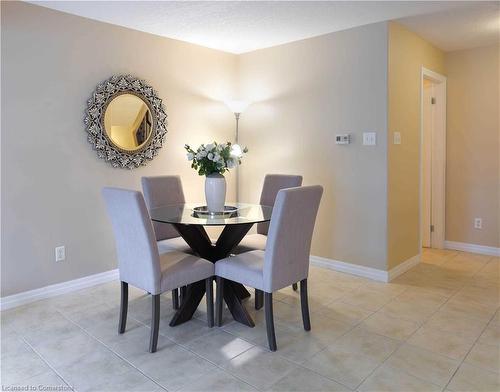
x=259, y=299
x=155, y=323
x=210, y=301
x=123, y=307
x=182, y=294
x=268, y=307
x=219, y=298
x=304, y=304
x=175, y=299
x=294, y=287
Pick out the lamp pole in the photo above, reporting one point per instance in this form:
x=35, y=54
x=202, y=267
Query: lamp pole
x=236, y=140
x=237, y=107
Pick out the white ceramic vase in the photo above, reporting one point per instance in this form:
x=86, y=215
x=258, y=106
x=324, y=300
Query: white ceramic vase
x=215, y=192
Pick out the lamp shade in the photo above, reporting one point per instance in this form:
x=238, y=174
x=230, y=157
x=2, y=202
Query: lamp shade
x=237, y=106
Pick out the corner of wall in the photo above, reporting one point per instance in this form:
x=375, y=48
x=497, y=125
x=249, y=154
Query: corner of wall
x=407, y=54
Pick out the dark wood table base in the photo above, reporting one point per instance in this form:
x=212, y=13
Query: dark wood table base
x=199, y=241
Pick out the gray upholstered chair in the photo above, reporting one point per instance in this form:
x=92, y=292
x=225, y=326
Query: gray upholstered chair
x=163, y=191
x=285, y=260
x=141, y=265
x=273, y=183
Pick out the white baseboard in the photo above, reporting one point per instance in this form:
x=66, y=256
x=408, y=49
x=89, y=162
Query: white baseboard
x=365, y=272
x=26, y=297
x=403, y=267
x=472, y=248
x=349, y=268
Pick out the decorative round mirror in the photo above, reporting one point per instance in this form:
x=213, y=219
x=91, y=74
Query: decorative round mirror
x=125, y=121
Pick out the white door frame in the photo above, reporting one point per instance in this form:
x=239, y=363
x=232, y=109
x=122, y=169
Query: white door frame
x=438, y=182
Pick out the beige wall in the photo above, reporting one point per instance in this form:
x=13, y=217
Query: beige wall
x=407, y=54
x=51, y=178
x=305, y=93
x=472, y=172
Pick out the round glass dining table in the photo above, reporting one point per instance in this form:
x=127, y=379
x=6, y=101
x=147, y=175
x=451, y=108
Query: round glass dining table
x=191, y=227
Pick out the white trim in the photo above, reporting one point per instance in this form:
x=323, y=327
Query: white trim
x=353, y=269
x=439, y=162
x=403, y=267
x=26, y=297
x=472, y=248
x=365, y=272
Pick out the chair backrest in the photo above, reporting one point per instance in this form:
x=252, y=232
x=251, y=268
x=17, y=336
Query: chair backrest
x=138, y=258
x=289, y=240
x=273, y=183
x=163, y=191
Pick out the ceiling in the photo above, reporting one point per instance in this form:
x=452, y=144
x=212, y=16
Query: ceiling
x=459, y=28
x=243, y=26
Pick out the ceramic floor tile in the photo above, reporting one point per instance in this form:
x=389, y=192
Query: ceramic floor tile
x=218, y=381
x=391, y=327
x=67, y=351
x=259, y=367
x=408, y=311
x=173, y=367
x=341, y=365
x=56, y=328
x=133, y=345
x=470, y=378
x=219, y=346
x=442, y=342
x=388, y=379
x=483, y=295
x=344, y=312
x=367, y=299
x=323, y=328
x=459, y=325
x=491, y=335
x=496, y=318
x=12, y=344
x=305, y=380
x=131, y=381
x=367, y=343
x=423, y=364
x=45, y=381
x=472, y=310
x=484, y=356
x=98, y=367
x=184, y=333
x=453, y=298
x=21, y=366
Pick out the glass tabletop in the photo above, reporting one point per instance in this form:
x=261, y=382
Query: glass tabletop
x=185, y=214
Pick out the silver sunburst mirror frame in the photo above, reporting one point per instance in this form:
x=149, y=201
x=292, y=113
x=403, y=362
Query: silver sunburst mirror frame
x=94, y=121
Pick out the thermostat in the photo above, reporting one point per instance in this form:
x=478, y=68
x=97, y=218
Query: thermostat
x=342, y=139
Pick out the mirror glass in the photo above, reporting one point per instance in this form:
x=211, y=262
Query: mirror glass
x=128, y=122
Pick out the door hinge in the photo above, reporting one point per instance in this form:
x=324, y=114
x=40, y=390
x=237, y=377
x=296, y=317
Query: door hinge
x=433, y=101
x=432, y=228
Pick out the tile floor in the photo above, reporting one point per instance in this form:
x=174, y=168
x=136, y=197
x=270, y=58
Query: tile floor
x=435, y=328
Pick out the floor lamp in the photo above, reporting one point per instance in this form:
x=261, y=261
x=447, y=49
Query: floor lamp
x=237, y=107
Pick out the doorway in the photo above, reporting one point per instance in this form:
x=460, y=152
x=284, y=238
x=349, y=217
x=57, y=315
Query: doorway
x=432, y=159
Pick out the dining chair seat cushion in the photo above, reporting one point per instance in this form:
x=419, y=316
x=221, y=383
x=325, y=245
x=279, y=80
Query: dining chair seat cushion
x=251, y=242
x=180, y=269
x=246, y=268
x=177, y=244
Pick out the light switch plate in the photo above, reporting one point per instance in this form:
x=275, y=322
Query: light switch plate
x=369, y=138
x=397, y=138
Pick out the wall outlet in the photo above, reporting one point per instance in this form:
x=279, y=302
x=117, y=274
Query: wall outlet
x=478, y=223
x=369, y=138
x=60, y=253
x=397, y=137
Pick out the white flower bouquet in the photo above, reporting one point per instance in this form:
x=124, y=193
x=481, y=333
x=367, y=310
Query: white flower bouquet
x=215, y=158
